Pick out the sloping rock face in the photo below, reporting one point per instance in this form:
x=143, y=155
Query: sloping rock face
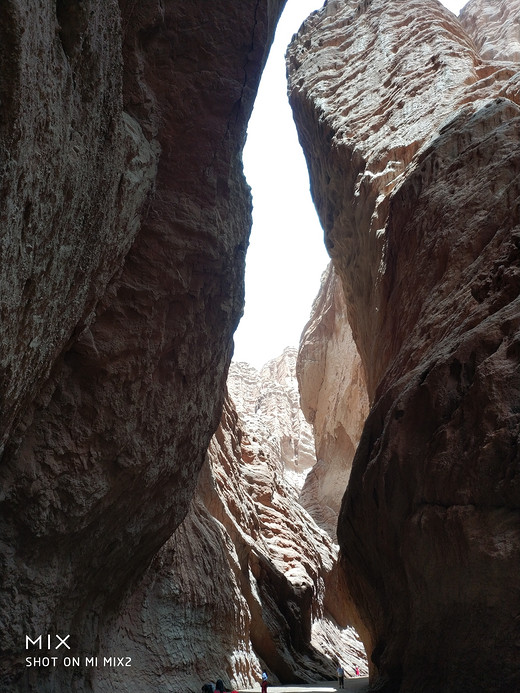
x=248, y=582
x=334, y=400
x=494, y=28
x=268, y=403
x=125, y=220
x=412, y=141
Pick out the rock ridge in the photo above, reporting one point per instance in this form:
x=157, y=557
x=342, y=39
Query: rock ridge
x=334, y=400
x=268, y=402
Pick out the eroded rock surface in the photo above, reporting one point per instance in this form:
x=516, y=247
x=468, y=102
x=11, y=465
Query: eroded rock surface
x=494, y=28
x=412, y=141
x=247, y=582
x=124, y=220
x=268, y=403
x=334, y=399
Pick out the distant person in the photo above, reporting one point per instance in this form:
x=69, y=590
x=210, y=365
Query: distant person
x=219, y=686
x=264, y=682
x=341, y=676
x=357, y=671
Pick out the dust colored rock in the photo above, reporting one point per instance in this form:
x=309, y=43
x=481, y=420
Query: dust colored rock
x=268, y=403
x=334, y=399
x=412, y=140
x=494, y=28
x=248, y=582
x=125, y=219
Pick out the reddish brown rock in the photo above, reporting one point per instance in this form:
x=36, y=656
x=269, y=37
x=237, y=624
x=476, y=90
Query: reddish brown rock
x=125, y=219
x=248, y=582
x=268, y=403
x=334, y=399
x=404, y=90
x=494, y=28
x=412, y=139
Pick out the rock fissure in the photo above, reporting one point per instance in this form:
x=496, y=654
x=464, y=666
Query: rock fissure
x=276, y=571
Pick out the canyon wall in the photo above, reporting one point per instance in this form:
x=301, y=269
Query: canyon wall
x=248, y=581
x=125, y=221
x=268, y=403
x=334, y=399
x=410, y=121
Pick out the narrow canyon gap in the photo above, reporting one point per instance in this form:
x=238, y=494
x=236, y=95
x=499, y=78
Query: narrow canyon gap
x=125, y=220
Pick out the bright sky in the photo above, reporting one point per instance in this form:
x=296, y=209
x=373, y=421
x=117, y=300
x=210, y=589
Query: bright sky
x=286, y=255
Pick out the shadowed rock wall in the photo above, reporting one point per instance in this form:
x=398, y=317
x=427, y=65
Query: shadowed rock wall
x=412, y=140
x=125, y=220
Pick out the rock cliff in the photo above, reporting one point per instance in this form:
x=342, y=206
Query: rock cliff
x=125, y=220
x=268, y=403
x=247, y=582
x=334, y=400
x=410, y=121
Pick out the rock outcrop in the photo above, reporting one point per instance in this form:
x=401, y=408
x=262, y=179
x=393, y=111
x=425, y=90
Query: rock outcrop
x=125, y=220
x=247, y=582
x=410, y=120
x=334, y=400
x=268, y=403
x=493, y=26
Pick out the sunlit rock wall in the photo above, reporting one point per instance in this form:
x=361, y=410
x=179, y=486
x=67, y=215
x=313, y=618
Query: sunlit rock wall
x=412, y=140
x=248, y=582
x=334, y=399
x=125, y=218
x=268, y=402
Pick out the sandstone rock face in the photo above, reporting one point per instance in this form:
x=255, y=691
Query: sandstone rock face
x=412, y=140
x=125, y=220
x=268, y=403
x=494, y=28
x=247, y=582
x=334, y=399
x=75, y=170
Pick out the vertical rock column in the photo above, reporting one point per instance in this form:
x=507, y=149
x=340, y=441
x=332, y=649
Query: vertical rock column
x=412, y=142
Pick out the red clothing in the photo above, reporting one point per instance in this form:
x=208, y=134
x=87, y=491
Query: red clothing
x=264, y=686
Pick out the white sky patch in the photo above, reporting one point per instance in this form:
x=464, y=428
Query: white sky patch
x=286, y=254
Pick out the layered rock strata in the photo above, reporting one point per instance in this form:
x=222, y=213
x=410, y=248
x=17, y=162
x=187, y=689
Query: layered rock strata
x=248, y=582
x=125, y=220
x=268, y=403
x=412, y=140
x=334, y=400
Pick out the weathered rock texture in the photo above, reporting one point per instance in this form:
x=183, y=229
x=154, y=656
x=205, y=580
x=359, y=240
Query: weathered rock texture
x=124, y=218
x=493, y=26
x=412, y=140
x=334, y=399
x=268, y=403
x=247, y=582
